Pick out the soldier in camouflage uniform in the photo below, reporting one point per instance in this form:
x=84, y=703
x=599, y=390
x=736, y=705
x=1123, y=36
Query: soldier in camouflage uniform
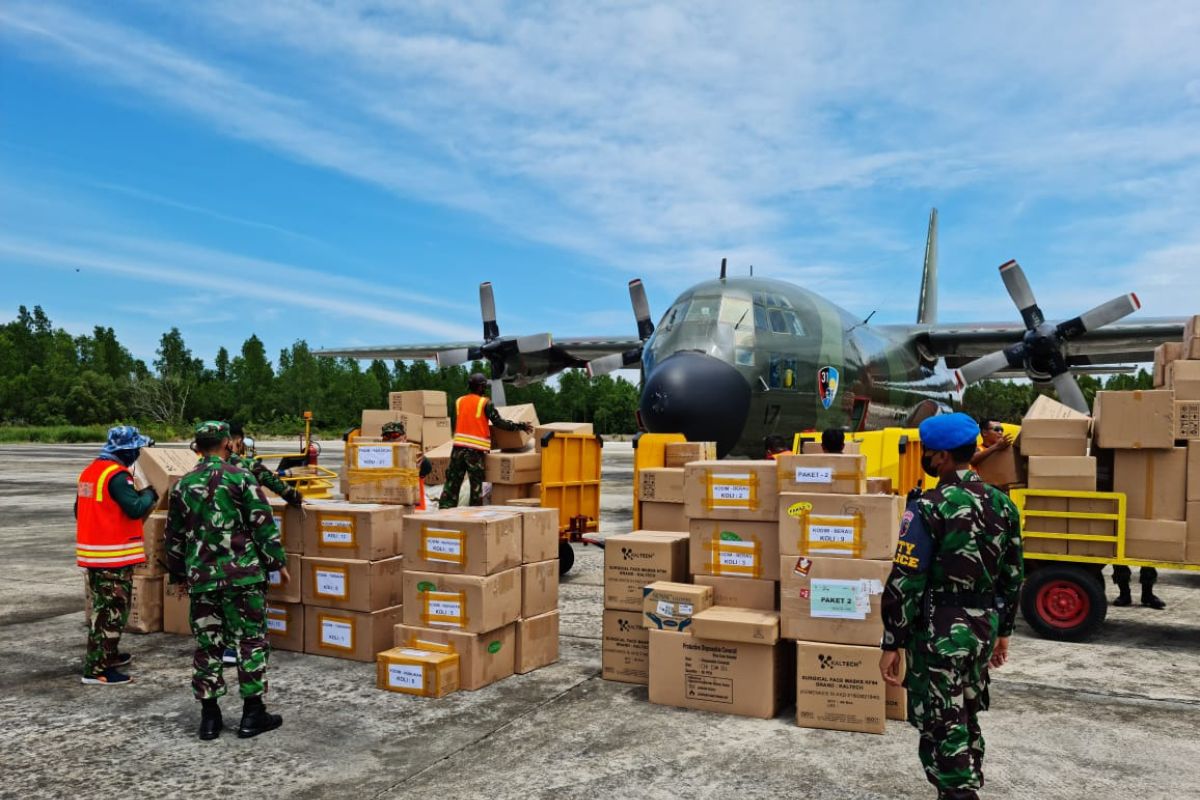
x=261, y=472
x=222, y=539
x=951, y=604
x=472, y=442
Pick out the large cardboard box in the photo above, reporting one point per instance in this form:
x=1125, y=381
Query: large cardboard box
x=484, y=658
x=512, y=468
x=1046, y=407
x=657, y=516
x=539, y=530
x=1156, y=539
x=368, y=531
x=439, y=461
x=1003, y=468
x=734, y=548
x=1164, y=354
x=423, y=403
x=162, y=467
x=1193, y=471
x=838, y=687
x=669, y=606
x=514, y=440
x=373, y=421
x=154, y=529
x=848, y=525
x=289, y=592
x=816, y=448
x=626, y=647
x=679, y=454
x=539, y=588
x=1192, y=537
x=541, y=431
x=470, y=541
x=353, y=635
x=1187, y=419
x=823, y=473
x=662, y=485
x=634, y=560
x=537, y=642
x=177, y=607
x=726, y=677
x=1154, y=482
x=1052, y=437
x=472, y=603
x=285, y=626
x=1190, y=347
x=381, y=472
x=742, y=490
x=832, y=599
x=435, y=432
x=723, y=623
x=1068, y=473
x=505, y=492
x=421, y=673
x=1134, y=420
x=352, y=584
x=1185, y=380
x=742, y=592
x=290, y=522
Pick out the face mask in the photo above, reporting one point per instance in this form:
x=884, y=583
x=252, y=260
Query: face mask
x=927, y=465
x=127, y=457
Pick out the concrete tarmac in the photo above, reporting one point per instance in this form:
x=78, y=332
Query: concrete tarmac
x=1116, y=717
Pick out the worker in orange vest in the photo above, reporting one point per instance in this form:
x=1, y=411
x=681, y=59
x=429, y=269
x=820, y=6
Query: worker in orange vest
x=474, y=417
x=775, y=445
x=396, y=432
x=108, y=544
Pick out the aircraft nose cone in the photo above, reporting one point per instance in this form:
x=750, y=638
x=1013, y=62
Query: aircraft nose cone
x=699, y=396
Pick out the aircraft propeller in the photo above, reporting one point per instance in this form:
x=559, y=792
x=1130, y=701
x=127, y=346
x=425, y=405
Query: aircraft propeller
x=1042, y=350
x=641, y=312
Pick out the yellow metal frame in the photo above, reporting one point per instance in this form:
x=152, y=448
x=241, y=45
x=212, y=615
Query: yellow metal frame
x=649, y=452
x=571, y=470
x=313, y=483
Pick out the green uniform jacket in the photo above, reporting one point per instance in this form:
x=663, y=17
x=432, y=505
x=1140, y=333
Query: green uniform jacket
x=262, y=474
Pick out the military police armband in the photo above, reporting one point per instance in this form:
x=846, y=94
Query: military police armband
x=914, y=551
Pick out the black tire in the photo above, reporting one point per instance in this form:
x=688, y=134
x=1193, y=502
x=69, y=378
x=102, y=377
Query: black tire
x=1064, y=602
x=566, y=557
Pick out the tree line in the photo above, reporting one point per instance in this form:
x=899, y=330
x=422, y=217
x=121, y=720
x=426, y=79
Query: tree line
x=1006, y=401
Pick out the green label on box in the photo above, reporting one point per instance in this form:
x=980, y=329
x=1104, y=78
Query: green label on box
x=836, y=599
x=494, y=647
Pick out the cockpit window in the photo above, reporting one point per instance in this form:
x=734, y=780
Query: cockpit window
x=776, y=317
x=704, y=309
x=675, y=314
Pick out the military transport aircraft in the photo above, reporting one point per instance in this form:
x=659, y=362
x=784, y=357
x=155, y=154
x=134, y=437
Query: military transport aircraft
x=737, y=358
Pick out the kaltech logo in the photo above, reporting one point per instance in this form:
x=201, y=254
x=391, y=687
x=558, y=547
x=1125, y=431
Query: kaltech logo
x=628, y=554
x=827, y=385
x=624, y=625
x=829, y=662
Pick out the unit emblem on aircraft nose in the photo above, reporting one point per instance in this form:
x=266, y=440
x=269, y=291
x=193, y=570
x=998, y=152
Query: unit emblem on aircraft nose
x=827, y=385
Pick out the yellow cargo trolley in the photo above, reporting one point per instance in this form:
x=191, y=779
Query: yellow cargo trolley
x=1063, y=596
x=571, y=483
x=300, y=470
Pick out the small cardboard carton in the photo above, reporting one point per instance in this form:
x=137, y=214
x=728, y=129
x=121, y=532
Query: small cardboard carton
x=879, y=485
x=439, y=461
x=1187, y=419
x=1154, y=482
x=512, y=468
x=670, y=606
x=1156, y=540
x=1069, y=473
x=352, y=635
x=162, y=467
x=838, y=687
x=1164, y=354
x=847, y=525
x=472, y=603
x=537, y=642
x=421, y=673
x=177, y=606
x=734, y=548
x=726, y=677
x=1046, y=407
x=723, y=623
x=1185, y=380
x=471, y=541
x=154, y=539
x=366, y=531
x=742, y=592
x=1003, y=468
x=484, y=658
x=626, y=647
x=289, y=592
x=285, y=626
x=423, y=403
x=381, y=472
x=351, y=584
x=373, y=421
x=663, y=516
x=514, y=440
x=816, y=448
x=1134, y=420
x=679, y=454
x=540, y=433
x=503, y=493
x=1053, y=429
x=633, y=560
x=741, y=490
x=290, y=522
x=1190, y=347
x=662, y=485
x=832, y=599
x=539, y=588
x=823, y=473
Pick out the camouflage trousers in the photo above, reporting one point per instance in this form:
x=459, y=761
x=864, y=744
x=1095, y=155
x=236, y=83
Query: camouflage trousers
x=111, y=593
x=945, y=697
x=236, y=617
x=468, y=463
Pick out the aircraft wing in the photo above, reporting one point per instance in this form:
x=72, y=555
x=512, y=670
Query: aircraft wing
x=581, y=348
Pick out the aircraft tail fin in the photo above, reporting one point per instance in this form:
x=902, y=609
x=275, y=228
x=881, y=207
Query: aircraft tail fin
x=927, y=306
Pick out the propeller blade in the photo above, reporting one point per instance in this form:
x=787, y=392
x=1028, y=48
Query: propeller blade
x=1101, y=315
x=498, y=393
x=1018, y=289
x=487, y=305
x=641, y=308
x=1069, y=393
x=605, y=364
x=453, y=358
x=535, y=343
x=983, y=366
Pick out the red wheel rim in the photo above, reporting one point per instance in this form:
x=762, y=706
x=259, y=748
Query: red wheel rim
x=1063, y=604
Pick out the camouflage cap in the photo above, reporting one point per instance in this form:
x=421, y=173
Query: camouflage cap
x=126, y=437
x=395, y=428
x=211, y=431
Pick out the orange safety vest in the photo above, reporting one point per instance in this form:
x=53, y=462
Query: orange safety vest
x=420, y=506
x=105, y=538
x=471, y=427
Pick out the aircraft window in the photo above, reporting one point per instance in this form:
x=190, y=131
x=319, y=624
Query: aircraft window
x=703, y=309
x=674, y=316
x=782, y=373
x=760, y=318
x=736, y=311
x=785, y=321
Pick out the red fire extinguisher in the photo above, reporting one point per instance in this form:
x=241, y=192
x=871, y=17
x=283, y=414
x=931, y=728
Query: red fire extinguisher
x=314, y=450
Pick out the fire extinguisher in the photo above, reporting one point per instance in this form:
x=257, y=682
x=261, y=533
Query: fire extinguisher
x=314, y=450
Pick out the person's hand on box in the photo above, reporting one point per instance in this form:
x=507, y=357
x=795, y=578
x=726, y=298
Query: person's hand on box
x=999, y=653
x=889, y=667
x=527, y=427
x=284, y=577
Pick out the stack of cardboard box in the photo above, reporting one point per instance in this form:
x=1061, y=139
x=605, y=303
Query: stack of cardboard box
x=1180, y=372
x=1054, y=447
x=285, y=609
x=375, y=471
x=660, y=489
x=514, y=476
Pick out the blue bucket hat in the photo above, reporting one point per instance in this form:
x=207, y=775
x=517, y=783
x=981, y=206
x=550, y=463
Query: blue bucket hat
x=948, y=431
x=124, y=437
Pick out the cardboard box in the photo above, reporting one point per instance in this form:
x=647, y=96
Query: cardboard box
x=669, y=606
x=289, y=592
x=734, y=548
x=838, y=687
x=366, y=531
x=154, y=538
x=177, y=607
x=723, y=623
x=825, y=474
x=1154, y=482
x=352, y=584
x=1069, y=473
x=505, y=492
x=1156, y=540
x=726, y=677
x=381, y=472
x=525, y=502
x=512, y=468
x=832, y=599
x=815, y=448
x=741, y=490
x=539, y=588
x=1190, y=347
x=162, y=467
x=1187, y=419
x=285, y=626
x=423, y=403
x=484, y=658
x=1185, y=380
x=879, y=485
x=373, y=421
x=353, y=635
x=847, y=525
x=421, y=673
x=539, y=534
x=679, y=454
x=1164, y=354
x=439, y=461
x=1054, y=437
x=634, y=560
x=1092, y=528
x=742, y=592
x=896, y=697
x=1193, y=471
x=537, y=642
x=435, y=432
x=1134, y=420
x=1192, y=537
x=657, y=516
x=661, y=485
x=626, y=647
x=540, y=432
x=514, y=440
x=470, y=541
x=1045, y=407
x=472, y=603
x=1003, y=468
x=290, y=522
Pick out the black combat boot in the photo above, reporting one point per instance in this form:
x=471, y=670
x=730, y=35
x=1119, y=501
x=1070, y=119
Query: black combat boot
x=1150, y=600
x=1124, y=598
x=256, y=719
x=210, y=719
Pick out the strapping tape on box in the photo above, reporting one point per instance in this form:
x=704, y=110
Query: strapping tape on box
x=444, y=545
x=404, y=476
x=409, y=673
x=828, y=534
x=731, y=491
x=734, y=556
x=802, y=475
x=444, y=609
x=416, y=643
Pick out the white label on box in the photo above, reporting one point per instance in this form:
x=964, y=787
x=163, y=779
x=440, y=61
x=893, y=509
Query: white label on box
x=450, y=610
x=278, y=522
x=685, y=609
x=331, y=584
x=443, y=545
x=406, y=676
x=814, y=474
x=277, y=624
x=837, y=599
x=731, y=491
x=337, y=530
x=375, y=457
x=275, y=578
x=337, y=634
x=736, y=554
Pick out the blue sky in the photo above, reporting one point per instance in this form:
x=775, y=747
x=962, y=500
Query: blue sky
x=349, y=172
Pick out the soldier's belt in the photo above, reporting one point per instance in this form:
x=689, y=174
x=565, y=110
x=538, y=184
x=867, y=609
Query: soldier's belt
x=964, y=599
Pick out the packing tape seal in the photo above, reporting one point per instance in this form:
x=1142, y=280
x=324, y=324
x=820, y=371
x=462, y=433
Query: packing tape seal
x=837, y=525
x=444, y=609
x=407, y=478
x=735, y=557
x=730, y=491
x=443, y=545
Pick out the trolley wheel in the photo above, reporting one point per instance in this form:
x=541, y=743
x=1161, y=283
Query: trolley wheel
x=566, y=557
x=1063, y=602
